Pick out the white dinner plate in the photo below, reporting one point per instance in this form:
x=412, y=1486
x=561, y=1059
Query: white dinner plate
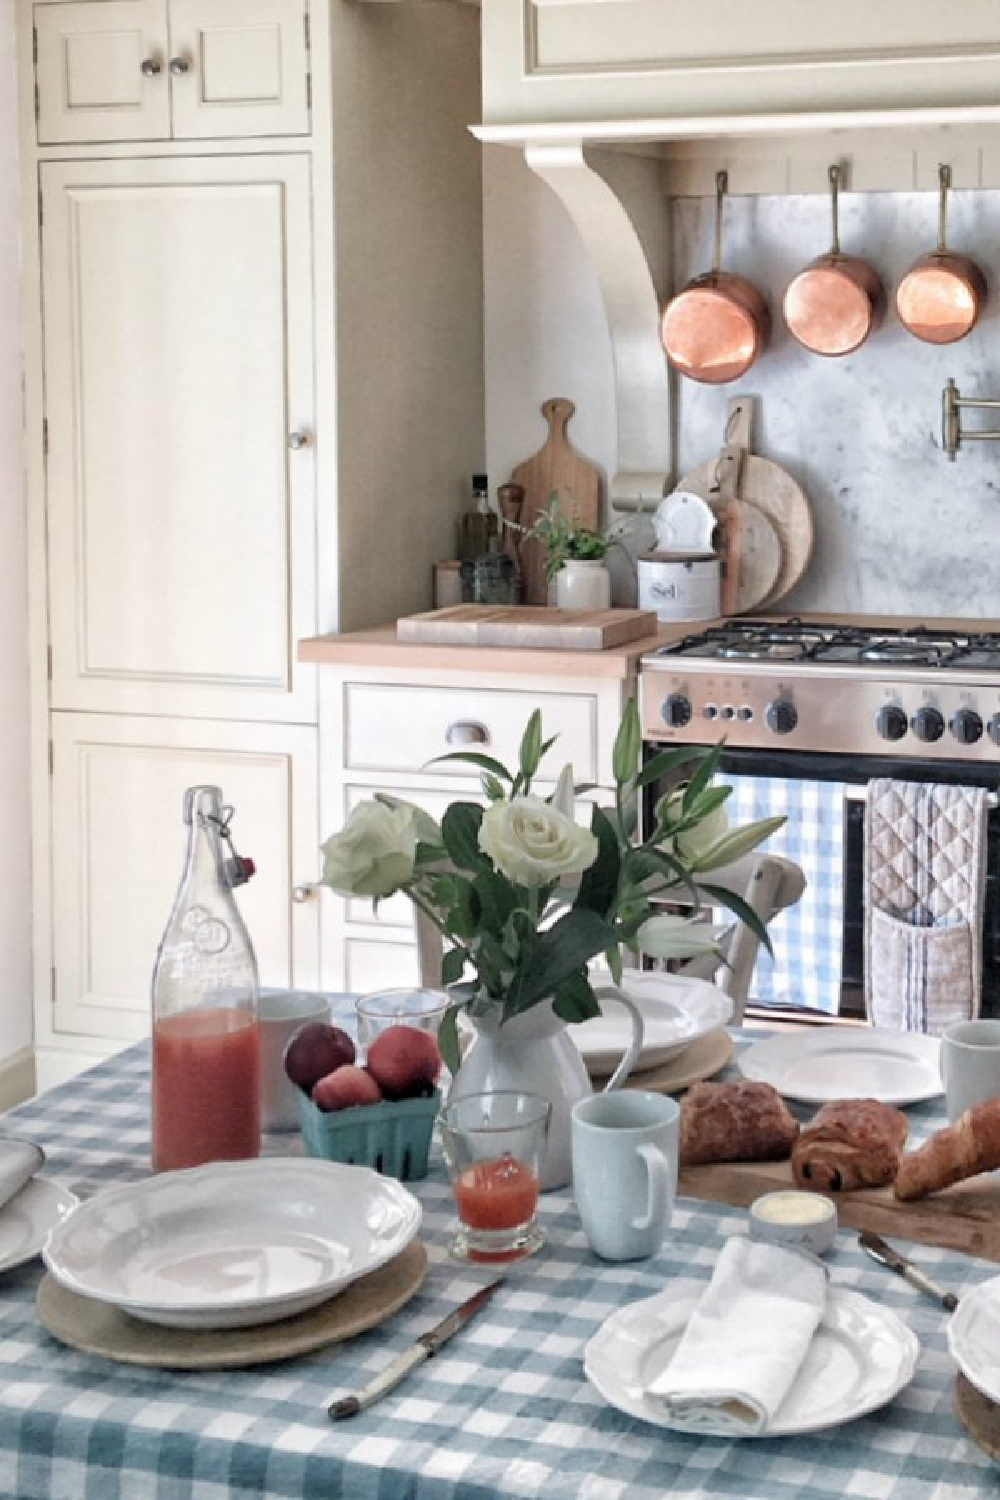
x=849, y=1062
x=860, y=1357
x=974, y=1337
x=675, y=1012
x=26, y=1220
x=233, y=1244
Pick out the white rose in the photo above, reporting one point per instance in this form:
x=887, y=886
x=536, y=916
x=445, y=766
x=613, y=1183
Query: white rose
x=374, y=852
x=694, y=842
x=533, y=843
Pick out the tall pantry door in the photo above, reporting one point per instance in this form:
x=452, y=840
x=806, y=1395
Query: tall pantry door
x=177, y=304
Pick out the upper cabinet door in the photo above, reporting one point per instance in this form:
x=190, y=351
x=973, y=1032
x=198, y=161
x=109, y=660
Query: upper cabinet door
x=180, y=472
x=239, y=68
x=101, y=71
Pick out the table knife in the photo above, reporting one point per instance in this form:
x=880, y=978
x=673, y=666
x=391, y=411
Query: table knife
x=427, y=1344
x=887, y=1256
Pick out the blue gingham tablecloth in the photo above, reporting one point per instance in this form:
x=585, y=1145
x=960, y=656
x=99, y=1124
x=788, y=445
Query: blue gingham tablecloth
x=503, y=1410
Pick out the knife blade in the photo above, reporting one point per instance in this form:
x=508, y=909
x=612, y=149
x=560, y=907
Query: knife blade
x=877, y=1248
x=426, y=1345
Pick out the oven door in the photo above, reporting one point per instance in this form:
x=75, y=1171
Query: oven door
x=818, y=965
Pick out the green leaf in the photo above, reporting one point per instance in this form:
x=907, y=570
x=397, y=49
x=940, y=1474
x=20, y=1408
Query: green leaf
x=530, y=752
x=699, y=781
x=613, y=959
x=734, y=845
x=628, y=745
x=460, y=832
x=599, y=884
x=575, y=1001
x=475, y=758
x=453, y=966
x=492, y=787
x=736, y=904
x=665, y=762
x=705, y=805
x=561, y=949
x=448, y=1039
x=497, y=899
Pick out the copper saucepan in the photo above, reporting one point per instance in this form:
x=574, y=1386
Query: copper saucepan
x=715, y=328
x=832, y=306
x=942, y=294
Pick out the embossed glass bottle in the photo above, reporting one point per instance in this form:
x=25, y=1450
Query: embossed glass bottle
x=205, y=1070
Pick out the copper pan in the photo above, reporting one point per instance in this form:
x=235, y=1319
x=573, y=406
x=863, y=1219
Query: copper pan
x=942, y=294
x=715, y=328
x=832, y=306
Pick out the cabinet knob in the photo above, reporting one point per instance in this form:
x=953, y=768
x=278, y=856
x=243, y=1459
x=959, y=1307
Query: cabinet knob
x=303, y=893
x=179, y=66
x=150, y=68
x=297, y=440
x=467, y=732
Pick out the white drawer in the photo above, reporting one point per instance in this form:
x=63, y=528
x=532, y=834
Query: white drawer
x=393, y=728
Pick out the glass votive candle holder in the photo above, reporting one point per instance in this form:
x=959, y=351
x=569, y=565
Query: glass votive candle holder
x=493, y=1145
x=423, y=1009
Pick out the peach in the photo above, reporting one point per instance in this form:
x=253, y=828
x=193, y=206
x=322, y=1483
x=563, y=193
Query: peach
x=404, y=1062
x=315, y=1050
x=344, y=1088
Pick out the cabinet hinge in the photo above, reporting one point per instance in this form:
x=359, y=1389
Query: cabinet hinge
x=38, y=104
x=309, y=90
x=45, y=436
x=305, y=26
x=53, y=978
x=34, y=44
x=41, y=211
x=52, y=758
x=48, y=654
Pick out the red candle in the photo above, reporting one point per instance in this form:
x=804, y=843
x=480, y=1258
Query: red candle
x=497, y=1194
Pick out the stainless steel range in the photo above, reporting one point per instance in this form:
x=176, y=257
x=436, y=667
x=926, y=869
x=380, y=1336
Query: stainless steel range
x=809, y=713
x=918, y=694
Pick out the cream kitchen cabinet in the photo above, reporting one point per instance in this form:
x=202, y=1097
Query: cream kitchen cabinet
x=180, y=408
x=616, y=63
x=151, y=70
x=117, y=790
x=386, y=713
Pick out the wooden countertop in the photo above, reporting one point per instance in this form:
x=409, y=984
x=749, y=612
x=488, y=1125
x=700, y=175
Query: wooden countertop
x=380, y=648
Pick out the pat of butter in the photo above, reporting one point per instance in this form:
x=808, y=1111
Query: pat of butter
x=792, y=1208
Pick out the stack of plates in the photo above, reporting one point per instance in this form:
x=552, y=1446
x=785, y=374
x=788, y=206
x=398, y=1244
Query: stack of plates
x=235, y=1244
x=683, y=1035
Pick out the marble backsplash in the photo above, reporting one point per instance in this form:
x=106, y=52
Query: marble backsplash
x=899, y=528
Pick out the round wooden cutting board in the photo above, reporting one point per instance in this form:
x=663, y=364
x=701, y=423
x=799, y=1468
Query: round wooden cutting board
x=703, y=1058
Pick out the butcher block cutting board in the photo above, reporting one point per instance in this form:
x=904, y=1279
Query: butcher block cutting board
x=514, y=625
x=965, y=1217
x=557, y=469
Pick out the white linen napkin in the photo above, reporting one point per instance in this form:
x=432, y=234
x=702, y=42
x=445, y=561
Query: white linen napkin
x=745, y=1340
x=19, y=1161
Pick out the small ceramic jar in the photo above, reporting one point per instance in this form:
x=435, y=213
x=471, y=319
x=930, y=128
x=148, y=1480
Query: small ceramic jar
x=583, y=583
x=801, y=1221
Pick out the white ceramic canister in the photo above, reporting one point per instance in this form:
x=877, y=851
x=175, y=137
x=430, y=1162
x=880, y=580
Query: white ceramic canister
x=680, y=585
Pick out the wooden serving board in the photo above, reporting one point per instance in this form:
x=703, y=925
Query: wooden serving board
x=556, y=468
x=979, y=1416
x=512, y=625
x=965, y=1217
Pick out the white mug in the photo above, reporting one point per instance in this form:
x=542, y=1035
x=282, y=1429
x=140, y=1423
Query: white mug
x=625, y=1150
x=280, y=1013
x=970, y=1065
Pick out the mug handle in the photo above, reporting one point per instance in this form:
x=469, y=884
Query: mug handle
x=658, y=1186
x=631, y=1057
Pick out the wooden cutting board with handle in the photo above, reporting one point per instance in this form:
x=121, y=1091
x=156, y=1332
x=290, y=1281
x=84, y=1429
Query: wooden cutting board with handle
x=765, y=485
x=748, y=543
x=556, y=467
x=965, y=1217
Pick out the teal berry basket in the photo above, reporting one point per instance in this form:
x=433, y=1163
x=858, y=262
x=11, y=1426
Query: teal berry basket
x=393, y=1137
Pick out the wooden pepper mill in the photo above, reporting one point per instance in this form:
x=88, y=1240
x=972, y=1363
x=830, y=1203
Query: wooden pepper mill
x=510, y=498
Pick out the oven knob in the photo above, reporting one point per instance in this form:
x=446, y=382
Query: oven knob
x=927, y=724
x=781, y=716
x=966, y=726
x=891, y=722
x=676, y=710
x=993, y=729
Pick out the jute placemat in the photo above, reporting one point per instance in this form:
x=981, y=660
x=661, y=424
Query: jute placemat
x=701, y=1059
x=98, y=1328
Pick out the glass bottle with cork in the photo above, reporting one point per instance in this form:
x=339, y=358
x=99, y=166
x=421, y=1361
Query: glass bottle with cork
x=486, y=573
x=205, y=1058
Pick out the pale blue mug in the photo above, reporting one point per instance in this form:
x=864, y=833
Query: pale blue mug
x=625, y=1151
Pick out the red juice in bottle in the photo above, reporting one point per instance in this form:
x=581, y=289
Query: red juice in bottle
x=205, y=1088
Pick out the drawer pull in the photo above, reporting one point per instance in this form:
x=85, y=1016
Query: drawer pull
x=467, y=732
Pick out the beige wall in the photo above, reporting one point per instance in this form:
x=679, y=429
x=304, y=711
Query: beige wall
x=15, y=890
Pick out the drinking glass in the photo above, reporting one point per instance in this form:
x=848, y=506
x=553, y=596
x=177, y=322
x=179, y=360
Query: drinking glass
x=493, y=1144
x=422, y=1009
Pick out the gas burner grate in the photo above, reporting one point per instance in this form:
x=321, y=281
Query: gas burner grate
x=794, y=640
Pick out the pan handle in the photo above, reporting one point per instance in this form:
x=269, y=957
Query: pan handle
x=834, y=176
x=944, y=183
x=721, y=189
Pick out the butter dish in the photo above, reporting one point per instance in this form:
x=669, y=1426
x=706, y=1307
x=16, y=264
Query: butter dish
x=802, y=1221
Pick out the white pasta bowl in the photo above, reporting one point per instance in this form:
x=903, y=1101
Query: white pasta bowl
x=233, y=1244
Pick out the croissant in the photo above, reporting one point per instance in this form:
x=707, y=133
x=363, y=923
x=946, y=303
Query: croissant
x=970, y=1146
x=851, y=1143
x=740, y=1121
